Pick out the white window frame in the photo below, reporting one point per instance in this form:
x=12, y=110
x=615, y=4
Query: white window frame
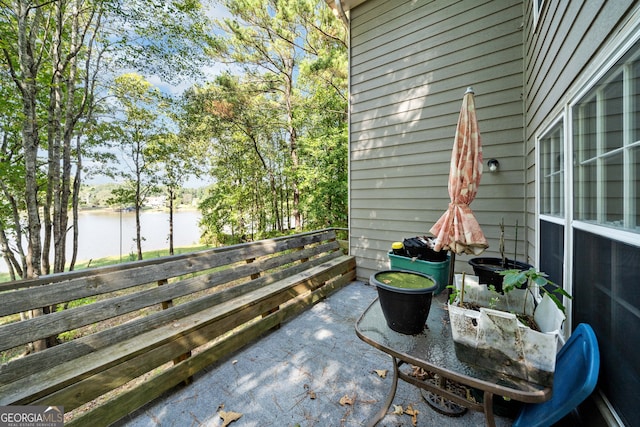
x=620, y=234
x=601, y=65
x=566, y=218
x=538, y=7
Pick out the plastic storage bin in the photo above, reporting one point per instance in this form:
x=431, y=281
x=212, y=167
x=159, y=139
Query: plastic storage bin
x=438, y=270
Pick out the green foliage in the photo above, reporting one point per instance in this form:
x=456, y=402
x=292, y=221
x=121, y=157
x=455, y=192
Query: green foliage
x=272, y=135
x=531, y=278
x=277, y=131
x=453, y=293
x=169, y=38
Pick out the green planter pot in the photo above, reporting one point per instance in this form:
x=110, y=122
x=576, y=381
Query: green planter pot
x=438, y=270
x=405, y=299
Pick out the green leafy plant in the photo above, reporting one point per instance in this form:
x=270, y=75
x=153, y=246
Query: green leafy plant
x=493, y=302
x=453, y=293
x=528, y=279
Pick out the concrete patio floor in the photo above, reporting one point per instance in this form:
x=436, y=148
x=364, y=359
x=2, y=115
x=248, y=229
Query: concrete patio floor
x=297, y=376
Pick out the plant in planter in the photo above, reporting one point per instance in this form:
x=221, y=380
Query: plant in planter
x=496, y=338
x=533, y=280
x=488, y=269
x=405, y=298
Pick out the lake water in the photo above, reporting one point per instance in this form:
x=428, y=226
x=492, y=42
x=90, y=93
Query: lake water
x=103, y=234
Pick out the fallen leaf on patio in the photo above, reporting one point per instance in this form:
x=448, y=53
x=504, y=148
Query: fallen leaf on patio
x=470, y=397
x=229, y=417
x=414, y=414
x=382, y=373
x=420, y=373
x=310, y=393
x=346, y=400
x=397, y=410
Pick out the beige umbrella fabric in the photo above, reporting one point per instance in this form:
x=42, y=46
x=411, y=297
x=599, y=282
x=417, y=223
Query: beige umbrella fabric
x=457, y=230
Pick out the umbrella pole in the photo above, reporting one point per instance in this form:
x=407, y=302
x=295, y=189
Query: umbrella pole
x=452, y=263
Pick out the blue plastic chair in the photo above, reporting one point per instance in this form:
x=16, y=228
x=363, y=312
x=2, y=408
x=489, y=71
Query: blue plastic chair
x=575, y=378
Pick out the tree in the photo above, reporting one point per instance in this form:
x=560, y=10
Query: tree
x=177, y=159
x=23, y=47
x=55, y=53
x=289, y=106
x=136, y=131
x=264, y=39
x=245, y=145
x=323, y=115
x=12, y=182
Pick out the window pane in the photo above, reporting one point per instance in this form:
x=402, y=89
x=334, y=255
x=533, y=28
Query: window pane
x=635, y=90
x=606, y=296
x=635, y=159
x=606, y=137
x=588, y=131
x=586, y=192
x=585, y=175
x=612, y=101
x=613, y=191
x=552, y=172
x=552, y=251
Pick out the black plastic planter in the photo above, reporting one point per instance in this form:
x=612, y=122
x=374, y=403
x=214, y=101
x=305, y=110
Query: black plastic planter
x=405, y=298
x=488, y=270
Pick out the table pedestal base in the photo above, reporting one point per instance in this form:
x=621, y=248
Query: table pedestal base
x=443, y=406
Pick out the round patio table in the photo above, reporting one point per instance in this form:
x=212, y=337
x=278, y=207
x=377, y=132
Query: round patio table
x=434, y=351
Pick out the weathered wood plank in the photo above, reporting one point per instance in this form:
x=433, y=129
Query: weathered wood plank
x=94, y=386
x=15, y=334
x=52, y=356
x=123, y=404
x=39, y=384
x=319, y=235
x=62, y=290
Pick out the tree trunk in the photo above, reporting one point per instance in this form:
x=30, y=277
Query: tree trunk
x=26, y=81
x=138, y=225
x=9, y=257
x=15, y=267
x=171, y=197
x=293, y=146
x=75, y=203
x=51, y=209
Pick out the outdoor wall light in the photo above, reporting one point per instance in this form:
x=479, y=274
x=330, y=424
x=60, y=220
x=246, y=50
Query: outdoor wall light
x=493, y=165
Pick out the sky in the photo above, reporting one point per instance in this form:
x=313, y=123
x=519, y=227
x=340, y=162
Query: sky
x=214, y=11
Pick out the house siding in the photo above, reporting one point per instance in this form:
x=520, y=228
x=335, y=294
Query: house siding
x=410, y=65
x=569, y=45
x=557, y=52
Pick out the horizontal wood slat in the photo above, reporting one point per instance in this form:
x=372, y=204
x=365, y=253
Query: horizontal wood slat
x=123, y=404
x=252, y=286
x=43, y=326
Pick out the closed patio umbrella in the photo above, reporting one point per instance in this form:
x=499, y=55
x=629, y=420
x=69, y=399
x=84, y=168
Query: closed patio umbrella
x=457, y=230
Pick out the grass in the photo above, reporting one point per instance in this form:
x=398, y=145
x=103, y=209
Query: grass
x=114, y=260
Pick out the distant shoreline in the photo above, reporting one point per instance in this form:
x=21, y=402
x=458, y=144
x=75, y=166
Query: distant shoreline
x=105, y=232
x=145, y=209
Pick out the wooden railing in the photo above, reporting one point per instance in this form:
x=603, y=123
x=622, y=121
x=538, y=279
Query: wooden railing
x=127, y=334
